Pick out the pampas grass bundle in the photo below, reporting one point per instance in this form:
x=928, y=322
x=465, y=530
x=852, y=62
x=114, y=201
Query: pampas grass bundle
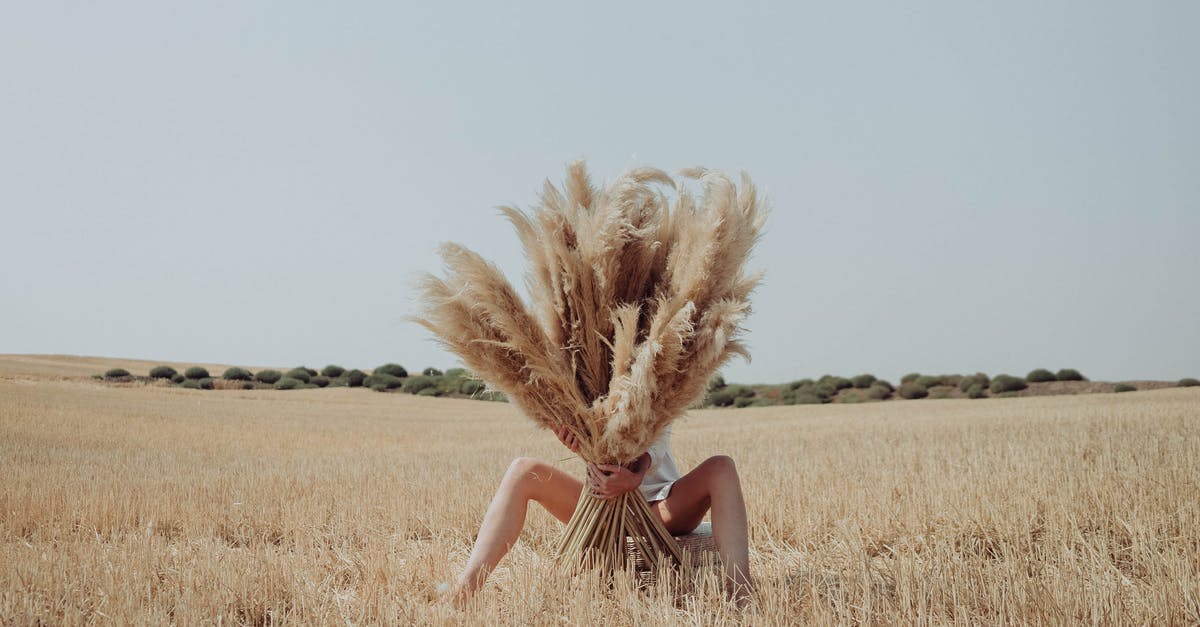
x=637, y=299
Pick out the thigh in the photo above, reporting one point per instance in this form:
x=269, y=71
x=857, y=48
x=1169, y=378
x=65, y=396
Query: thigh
x=555, y=489
x=688, y=502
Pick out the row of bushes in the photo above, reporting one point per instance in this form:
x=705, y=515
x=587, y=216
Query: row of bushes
x=388, y=377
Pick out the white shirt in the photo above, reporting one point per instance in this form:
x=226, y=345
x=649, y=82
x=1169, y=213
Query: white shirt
x=663, y=473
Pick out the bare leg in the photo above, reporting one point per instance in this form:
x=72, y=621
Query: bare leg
x=714, y=484
x=526, y=479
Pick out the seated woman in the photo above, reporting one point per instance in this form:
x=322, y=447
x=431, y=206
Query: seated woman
x=680, y=501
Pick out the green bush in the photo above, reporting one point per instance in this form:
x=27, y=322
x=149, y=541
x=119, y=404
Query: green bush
x=196, y=373
x=248, y=385
x=339, y=382
x=387, y=381
x=1069, y=374
x=471, y=387
x=332, y=372
x=300, y=374
x=162, y=372
x=884, y=384
x=879, y=392
x=237, y=374
x=715, y=383
x=744, y=401
x=116, y=373
x=838, y=383
x=1040, y=375
x=414, y=385
x=270, y=377
x=966, y=382
x=378, y=387
x=431, y=372
x=862, y=380
x=319, y=381
x=909, y=378
x=729, y=394
x=975, y=390
x=354, y=378
x=808, y=398
x=433, y=391
x=927, y=381
x=288, y=383
x=913, y=390
x=206, y=383
x=1189, y=383
x=312, y=372
x=191, y=384
x=178, y=378
x=1125, y=387
x=1004, y=383
x=396, y=370
x=802, y=383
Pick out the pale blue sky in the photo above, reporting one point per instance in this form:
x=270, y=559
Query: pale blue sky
x=955, y=186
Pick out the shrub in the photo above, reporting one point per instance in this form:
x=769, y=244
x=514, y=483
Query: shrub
x=162, y=372
x=884, y=384
x=715, y=383
x=206, y=383
x=1189, y=383
x=387, y=381
x=862, y=380
x=966, y=382
x=237, y=374
x=1005, y=383
x=927, y=381
x=191, y=384
x=414, y=385
x=116, y=373
x=178, y=378
x=396, y=370
x=471, y=387
x=354, y=378
x=975, y=390
x=311, y=371
x=288, y=383
x=268, y=376
x=909, y=378
x=431, y=372
x=1040, y=375
x=808, y=398
x=247, y=385
x=878, y=392
x=1069, y=374
x=195, y=372
x=744, y=401
x=378, y=387
x=319, y=381
x=729, y=394
x=837, y=383
x=332, y=372
x=913, y=390
x=300, y=374
x=802, y=383
x=1125, y=387
x=433, y=391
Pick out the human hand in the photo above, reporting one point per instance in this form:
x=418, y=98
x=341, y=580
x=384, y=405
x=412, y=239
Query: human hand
x=567, y=438
x=608, y=481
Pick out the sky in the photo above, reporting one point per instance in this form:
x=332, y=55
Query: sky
x=954, y=187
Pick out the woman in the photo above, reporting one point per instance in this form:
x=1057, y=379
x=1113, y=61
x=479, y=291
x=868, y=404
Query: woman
x=680, y=501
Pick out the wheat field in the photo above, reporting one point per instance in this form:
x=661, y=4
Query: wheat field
x=150, y=505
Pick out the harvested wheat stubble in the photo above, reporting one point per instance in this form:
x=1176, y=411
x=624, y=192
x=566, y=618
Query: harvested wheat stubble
x=637, y=300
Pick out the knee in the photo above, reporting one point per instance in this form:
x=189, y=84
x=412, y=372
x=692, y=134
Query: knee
x=522, y=470
x=722, y=465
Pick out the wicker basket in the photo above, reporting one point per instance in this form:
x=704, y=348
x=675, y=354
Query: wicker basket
x=699, y=549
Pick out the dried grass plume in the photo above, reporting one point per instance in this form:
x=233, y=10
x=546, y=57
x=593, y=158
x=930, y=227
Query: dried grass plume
x=638, y=292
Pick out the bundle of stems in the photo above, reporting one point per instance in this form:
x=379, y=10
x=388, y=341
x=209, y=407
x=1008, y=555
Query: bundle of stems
x=637, y=299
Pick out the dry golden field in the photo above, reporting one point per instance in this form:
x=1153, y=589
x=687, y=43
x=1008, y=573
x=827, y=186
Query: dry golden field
x=152, y=505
